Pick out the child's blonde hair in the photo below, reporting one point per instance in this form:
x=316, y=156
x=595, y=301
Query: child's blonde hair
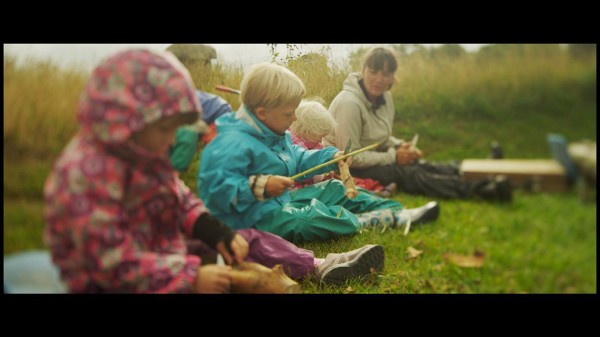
x=269, y=85
x=312, y=120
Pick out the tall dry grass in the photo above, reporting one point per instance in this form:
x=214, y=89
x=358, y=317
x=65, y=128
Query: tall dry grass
x=40, y=101
x=502, y=82
x=206, y=77
x=478, y=85
x=39, y=106
x=321, y=79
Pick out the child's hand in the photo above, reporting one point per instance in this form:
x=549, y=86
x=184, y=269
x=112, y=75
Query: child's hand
x=348, y=160
x=213, y=279
x=239, y=247
x=318, y=178
x=277, y=185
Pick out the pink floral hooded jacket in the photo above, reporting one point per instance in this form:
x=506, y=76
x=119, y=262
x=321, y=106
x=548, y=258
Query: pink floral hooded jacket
x=116, y=215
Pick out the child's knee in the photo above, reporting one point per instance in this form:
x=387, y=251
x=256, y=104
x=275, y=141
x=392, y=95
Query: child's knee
x=335, y=184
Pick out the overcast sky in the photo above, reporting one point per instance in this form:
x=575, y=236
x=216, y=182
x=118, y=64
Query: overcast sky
x=88, y=55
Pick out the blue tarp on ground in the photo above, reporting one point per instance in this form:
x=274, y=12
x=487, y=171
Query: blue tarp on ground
x=32, y=272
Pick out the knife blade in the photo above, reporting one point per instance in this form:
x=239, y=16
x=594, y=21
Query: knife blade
x=348, y=146
x=413, y=142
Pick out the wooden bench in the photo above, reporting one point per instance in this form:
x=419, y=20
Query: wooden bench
x=534, y=175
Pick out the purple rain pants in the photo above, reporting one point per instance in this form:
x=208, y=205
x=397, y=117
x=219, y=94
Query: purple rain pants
x=268, y=249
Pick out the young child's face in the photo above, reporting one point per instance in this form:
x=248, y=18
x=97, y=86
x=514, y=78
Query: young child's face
x=158, y=136
x=315, y=138
x=278, y=119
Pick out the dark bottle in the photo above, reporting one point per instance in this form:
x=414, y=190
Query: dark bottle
x=496, y=151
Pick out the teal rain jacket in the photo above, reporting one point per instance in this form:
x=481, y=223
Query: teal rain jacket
x=244, y=146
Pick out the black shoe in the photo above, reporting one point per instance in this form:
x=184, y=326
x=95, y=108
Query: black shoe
x=498, y=189
x=420, y=215
x=503, y=189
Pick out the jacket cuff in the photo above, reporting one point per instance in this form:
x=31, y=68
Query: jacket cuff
x=257, y=185
x=212, y=231
x=391, y=156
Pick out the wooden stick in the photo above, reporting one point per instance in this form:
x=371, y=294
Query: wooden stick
x=227, y=89
x=351, y=191
x=372, y=146
x=254, y=278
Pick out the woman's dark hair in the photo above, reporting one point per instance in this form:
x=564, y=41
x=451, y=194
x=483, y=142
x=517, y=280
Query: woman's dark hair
x=377, y=58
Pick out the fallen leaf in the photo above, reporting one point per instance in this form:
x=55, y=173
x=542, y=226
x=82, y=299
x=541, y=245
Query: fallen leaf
x=466, y=261
x=420, y=244
x=413, y=253
x=438, y=267
x=349, y=290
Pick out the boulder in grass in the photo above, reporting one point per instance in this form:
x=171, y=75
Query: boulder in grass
x=193, y=53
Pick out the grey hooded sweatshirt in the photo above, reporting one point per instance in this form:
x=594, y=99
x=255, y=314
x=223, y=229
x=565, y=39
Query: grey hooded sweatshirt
x=358, y=121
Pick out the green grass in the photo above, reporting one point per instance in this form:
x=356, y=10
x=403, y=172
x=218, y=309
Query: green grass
x=541, y=243
x=24, y=178
x=538, y=244
x=23, y=225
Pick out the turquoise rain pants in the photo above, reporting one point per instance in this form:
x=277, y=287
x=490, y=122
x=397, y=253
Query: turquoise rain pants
x=322, y=212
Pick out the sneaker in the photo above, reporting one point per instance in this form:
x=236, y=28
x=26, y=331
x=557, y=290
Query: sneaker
x=361, y=262
x=420, y=215
x=392, y=188
x=378, y=218
x=384, y=194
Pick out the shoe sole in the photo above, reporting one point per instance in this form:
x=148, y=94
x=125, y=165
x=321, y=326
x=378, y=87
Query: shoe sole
x=431, y=214
x=364, y=264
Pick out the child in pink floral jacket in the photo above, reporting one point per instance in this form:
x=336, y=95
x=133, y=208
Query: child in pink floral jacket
x=118, y=218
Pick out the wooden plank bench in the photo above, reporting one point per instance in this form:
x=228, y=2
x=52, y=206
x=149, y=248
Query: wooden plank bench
x=534, y=175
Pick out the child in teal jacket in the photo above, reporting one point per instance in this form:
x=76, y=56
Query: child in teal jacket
x=245, y=170
x=188, y=137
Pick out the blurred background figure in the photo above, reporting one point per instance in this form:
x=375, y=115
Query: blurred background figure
x=187, y=138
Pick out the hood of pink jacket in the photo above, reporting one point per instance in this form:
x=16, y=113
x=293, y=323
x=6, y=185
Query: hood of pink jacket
x=132, y=89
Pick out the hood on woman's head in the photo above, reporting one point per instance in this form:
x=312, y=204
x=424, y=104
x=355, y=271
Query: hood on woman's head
x=132, y=89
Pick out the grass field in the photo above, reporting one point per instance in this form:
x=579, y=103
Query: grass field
x=541, y=243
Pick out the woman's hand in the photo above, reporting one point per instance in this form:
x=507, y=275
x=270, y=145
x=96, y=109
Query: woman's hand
x=405, y=155
x=277, y=185
x=213, y=279
x=239, y=247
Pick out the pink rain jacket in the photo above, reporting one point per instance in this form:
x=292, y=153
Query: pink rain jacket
x=117, y=216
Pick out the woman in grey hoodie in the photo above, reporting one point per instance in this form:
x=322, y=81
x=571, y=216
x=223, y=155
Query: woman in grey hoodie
x=364, y=112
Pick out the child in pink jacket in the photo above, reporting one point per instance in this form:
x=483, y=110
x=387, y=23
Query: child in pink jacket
x=313, y=123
